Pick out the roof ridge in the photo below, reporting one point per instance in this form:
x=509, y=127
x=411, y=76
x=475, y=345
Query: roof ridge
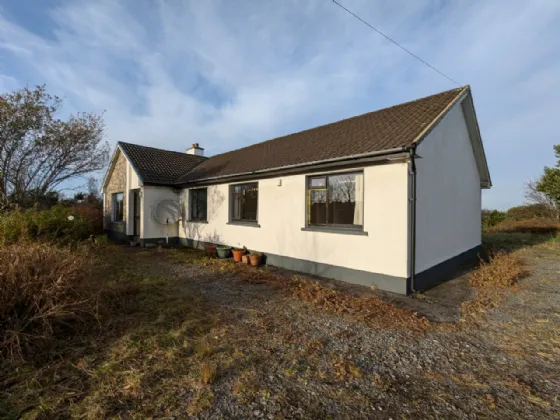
x=459, y=90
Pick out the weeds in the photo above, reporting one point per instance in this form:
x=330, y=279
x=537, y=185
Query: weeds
x=43, y=289
x=536, y=225
x=207, y=373
x=491, y=280
x=369, y=309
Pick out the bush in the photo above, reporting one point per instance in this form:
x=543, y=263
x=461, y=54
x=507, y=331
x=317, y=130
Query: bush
x=93, y=213
x=43, y=288
x=542, y=226
x=492, y=218
x=59, y=223
x=529, y=211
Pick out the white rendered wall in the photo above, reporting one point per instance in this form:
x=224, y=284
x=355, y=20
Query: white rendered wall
x=448, y=193
x=281, y=216
x=150, y=228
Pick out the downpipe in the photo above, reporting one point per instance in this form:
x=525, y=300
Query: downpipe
x=412, y=215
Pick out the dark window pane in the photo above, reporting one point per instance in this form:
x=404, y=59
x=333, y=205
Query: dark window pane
x=342, y=192
x=198, y=204
x=250, y=197
x=118, y=207
x=317, y=207
x=244, y=199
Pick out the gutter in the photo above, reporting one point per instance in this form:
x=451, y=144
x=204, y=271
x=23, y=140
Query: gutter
x=412, y=220
x=302, y=165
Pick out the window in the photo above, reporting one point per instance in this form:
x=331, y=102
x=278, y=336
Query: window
x=117, y=203
x=198, y=204
x=244, y=200
x=336, y=200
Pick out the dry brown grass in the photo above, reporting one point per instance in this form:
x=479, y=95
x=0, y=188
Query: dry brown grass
x=537, y=225
x=491, y=281
x=207, y=372
x=368, y=309
x=44, y=289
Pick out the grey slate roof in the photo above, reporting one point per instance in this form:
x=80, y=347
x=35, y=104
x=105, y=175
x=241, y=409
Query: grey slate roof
x=157, y=166
x=395, y=127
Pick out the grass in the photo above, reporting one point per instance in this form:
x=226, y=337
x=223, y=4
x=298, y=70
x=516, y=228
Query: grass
x=512, y=241
x=506, y=264
x=492, y=281
x=150, y=332
x=162, y=350
x=47, y=292
x=535, y=226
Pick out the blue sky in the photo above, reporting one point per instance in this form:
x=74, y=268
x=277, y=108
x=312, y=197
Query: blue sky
x=227, y=74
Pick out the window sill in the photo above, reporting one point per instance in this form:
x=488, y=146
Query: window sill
x=335, y=230
x=249, y=224
x=197, y=221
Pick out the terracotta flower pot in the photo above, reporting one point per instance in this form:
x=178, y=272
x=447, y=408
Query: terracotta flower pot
x=210, y=249
x=238, y=254
x=255, y=259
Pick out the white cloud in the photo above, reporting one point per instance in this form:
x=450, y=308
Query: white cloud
x=227, y=74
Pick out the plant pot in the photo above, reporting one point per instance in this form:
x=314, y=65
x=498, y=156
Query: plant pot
x=210, y=249
x=224, y=251
x=238, y=254
x=245, y=260
x=255, y=259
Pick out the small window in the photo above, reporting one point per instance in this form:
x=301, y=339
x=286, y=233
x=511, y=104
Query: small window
x=336, y=200
x=244, y=201
x=198, y=204
x=117, y=203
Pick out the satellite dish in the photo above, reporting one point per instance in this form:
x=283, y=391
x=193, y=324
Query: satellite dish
x=167, y=212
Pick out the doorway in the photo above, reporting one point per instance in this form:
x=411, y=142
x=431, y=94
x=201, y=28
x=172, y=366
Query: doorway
x=136, y=212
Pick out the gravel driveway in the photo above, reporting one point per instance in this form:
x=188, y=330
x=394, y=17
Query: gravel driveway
x=300, y=362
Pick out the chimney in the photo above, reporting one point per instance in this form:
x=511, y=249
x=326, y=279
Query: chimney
x=195, y=150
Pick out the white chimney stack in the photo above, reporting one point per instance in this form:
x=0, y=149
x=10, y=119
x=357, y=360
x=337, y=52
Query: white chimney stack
x=195, y=150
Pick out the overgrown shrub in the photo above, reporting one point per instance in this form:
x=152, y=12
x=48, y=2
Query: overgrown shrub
x=492, y=218
x=542, y=226
x=93, y=213
x=43, y=287
x=530, y=211
x=58, y=223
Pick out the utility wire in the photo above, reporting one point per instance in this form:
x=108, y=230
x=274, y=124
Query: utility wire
x=395, y=42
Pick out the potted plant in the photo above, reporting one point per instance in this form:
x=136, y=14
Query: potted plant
x=224, y=251
x=210, y=249
x=238, y=254
x=255, y=258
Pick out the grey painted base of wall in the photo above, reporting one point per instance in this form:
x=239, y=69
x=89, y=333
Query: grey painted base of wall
x=171, y=241
x=427, y=279
x=191, y=243
x=349, y=275
x=446, y=270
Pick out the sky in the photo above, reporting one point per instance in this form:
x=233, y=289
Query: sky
x=227, y=74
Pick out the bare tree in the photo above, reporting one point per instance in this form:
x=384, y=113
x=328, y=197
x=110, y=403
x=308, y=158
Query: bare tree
x=534, y=196
x=93, y=189
x=38, y=151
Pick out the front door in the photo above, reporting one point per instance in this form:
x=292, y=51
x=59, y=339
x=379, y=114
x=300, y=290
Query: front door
x=136, y=201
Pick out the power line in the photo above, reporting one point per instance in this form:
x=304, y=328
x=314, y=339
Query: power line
x=395, y=42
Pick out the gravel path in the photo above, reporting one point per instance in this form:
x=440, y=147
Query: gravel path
x=300, y=362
